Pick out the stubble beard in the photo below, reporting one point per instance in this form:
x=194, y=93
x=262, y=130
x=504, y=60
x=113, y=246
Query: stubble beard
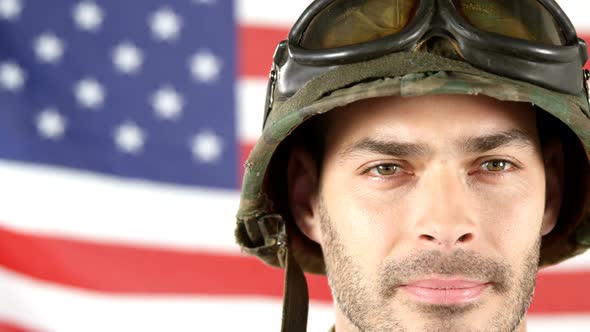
x=365, y=300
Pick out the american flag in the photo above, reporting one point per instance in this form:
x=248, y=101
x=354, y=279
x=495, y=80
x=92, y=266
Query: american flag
x=123, y=128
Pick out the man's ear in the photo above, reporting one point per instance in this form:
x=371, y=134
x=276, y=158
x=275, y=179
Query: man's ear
x=303, y=190
x=554, y=181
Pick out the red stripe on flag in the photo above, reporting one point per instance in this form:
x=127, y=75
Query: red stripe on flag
x=562, y=293
x=256, y=46
x=119, y=268
x=133, y=270
x=9, y=327
x=586, y=37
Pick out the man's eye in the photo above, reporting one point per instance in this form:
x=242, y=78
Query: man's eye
x=497, y=165
x=385, y=169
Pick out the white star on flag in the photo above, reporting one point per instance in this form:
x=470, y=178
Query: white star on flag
x=205, y=66
x=10, y=10
x=127, y=58
x=165, y=24
x=12, y=76
x=88, y=16
x=167, y=103
x=51, y=124
x=129, y=138
x=48, y=48
x=89, y=93
x=206, y=147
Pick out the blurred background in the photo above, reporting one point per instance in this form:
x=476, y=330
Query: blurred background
x=124, y=126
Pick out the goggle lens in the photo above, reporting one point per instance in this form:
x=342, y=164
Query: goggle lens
x=523, y=19
x=351, y=22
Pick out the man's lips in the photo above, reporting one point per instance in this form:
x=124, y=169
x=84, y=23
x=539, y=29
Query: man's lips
x=445, y=291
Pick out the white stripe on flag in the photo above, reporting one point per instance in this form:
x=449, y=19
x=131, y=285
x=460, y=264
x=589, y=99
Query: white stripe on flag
x=578, y=263
x=250, y=106
x=577, y=11
x=84, y=205
x=50, y=308
x=564, y=323
x=275, y=13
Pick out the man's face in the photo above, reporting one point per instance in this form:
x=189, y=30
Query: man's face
x=429, y=211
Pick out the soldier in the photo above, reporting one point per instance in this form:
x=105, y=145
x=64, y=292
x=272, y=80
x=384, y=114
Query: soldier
x=428, y=156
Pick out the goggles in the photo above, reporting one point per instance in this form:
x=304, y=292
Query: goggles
x=527, y=40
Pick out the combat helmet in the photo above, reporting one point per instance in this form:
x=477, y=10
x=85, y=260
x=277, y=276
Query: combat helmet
x=342, y=51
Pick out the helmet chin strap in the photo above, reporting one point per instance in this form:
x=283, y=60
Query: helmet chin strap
x=295, y=295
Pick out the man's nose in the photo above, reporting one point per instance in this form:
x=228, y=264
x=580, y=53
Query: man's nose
x=446, y=219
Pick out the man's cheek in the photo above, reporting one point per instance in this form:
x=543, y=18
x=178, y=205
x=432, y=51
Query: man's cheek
x=369, y=222
x=511, y=221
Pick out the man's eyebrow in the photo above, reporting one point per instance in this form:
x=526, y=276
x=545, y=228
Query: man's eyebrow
x=512, y=137
x=386, y=147
x=473, y=144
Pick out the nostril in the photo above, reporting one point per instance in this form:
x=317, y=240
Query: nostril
x=465, y=237
x=427, y=237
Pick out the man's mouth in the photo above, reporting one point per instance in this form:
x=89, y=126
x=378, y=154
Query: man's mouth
x=443, y=291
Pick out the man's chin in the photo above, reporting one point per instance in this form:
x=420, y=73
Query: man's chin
x=480, y=315
x=456, y=318
x=446, y=311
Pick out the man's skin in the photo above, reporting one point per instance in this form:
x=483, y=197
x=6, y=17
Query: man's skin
x=429, y=211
